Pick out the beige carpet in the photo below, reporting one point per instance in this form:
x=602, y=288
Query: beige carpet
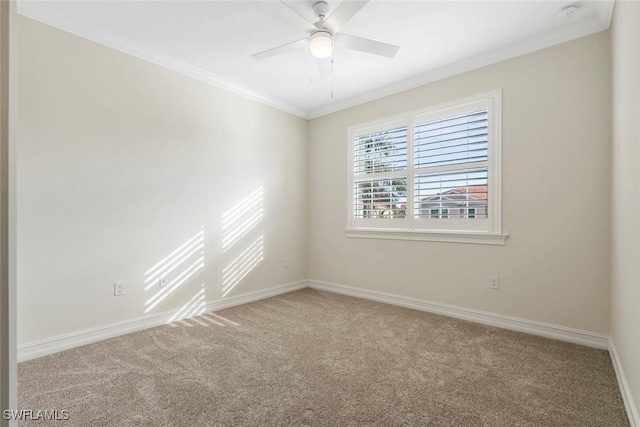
x=321, y=359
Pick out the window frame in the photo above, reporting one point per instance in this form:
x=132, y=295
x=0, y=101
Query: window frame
x=487, y=231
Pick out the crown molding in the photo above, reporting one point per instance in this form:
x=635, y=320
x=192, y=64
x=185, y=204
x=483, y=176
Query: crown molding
x=604, y=11
x=63, y=22
x=479, y=61
x=602, y=21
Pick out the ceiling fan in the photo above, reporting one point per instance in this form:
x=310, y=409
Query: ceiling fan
x=325, y=35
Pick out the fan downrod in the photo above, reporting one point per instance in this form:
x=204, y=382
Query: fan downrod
x=321, y=9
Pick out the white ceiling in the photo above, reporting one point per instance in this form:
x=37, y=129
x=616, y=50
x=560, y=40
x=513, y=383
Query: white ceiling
x=212, y=41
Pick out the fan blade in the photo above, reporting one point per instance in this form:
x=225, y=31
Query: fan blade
x=300, y=21
x=343, y=14
x=280, y=49
x=365, y=45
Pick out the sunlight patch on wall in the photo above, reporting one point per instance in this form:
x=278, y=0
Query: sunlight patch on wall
x=175, y=270
x=174, y=259
x=241, y=231
x=242, y=265
x=242, y=218
x=163, y=293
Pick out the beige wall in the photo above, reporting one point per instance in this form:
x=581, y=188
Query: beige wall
x=120, y=162
x=555, y=265
x=625, y=289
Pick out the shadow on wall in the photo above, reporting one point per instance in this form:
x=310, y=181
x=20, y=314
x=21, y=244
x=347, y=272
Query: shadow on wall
x=241, y=233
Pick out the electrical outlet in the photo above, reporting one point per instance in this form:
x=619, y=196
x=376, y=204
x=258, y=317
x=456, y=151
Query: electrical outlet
x=118, y=288
x=494, y=282
x=285, y=263
x=162, y=281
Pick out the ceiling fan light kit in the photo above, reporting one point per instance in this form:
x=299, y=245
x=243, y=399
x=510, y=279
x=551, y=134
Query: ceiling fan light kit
x=321, y=44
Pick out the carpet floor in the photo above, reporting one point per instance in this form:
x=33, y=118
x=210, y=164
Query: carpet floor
x=312, y=358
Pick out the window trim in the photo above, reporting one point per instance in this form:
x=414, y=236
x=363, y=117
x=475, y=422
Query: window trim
x=406, y=229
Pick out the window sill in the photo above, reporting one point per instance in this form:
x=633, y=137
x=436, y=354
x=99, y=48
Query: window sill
x=428, y=236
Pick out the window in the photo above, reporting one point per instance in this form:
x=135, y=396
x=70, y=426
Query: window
x=433, y=174
x=439, y=213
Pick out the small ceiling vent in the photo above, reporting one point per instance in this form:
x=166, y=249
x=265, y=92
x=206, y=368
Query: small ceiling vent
x=567, y=12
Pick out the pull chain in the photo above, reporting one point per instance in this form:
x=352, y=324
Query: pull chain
x=332, y=77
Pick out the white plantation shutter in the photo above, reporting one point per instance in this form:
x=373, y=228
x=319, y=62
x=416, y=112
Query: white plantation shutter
x=432, y=170
x=381, y=151
x=451, y=141
x=380, y=168
x=457, y=191
x=444, y=150
x=381, y=198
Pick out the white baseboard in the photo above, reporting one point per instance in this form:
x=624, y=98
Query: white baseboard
x=41, y=348
x=629, y=403
x=533, y=327
x=63, y=342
